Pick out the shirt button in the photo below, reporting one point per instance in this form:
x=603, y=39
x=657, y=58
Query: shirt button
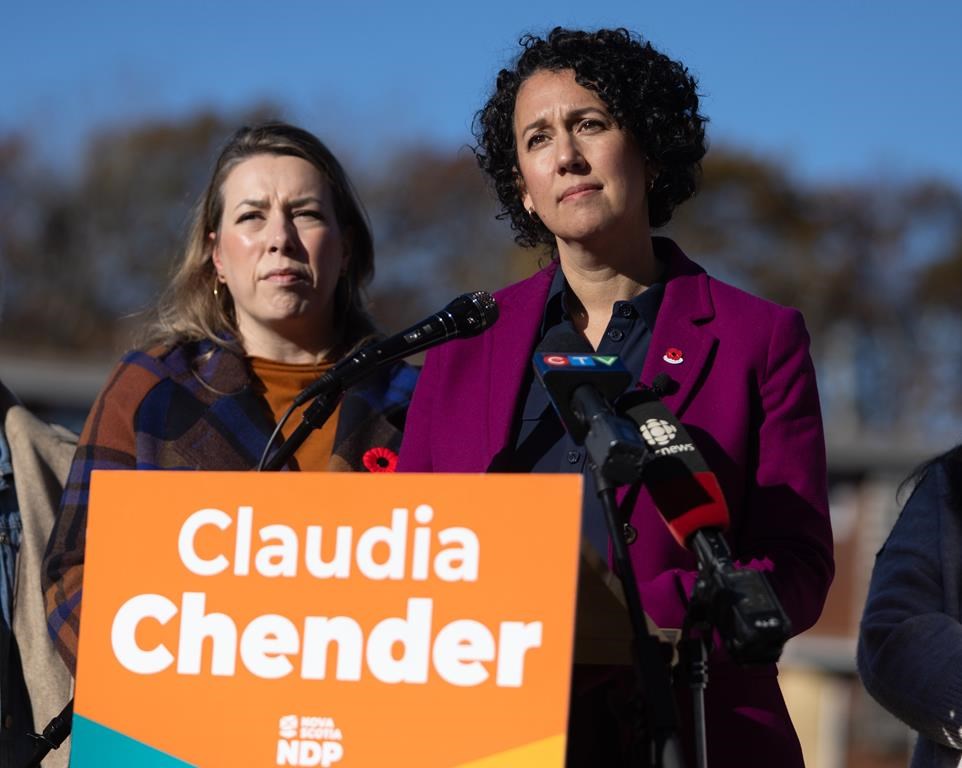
x=616, y=334
x=574, y=457
x=626, y=310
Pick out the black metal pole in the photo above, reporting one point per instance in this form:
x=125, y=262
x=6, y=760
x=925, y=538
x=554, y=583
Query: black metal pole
x=315, y=416
x=652, y=677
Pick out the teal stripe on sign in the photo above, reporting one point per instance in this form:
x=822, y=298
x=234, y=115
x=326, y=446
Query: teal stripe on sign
x=96, y=746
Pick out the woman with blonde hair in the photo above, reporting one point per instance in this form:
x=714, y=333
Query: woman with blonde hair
x=268, y=296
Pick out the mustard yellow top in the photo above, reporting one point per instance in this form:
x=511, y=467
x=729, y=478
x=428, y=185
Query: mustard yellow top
x=279, y=383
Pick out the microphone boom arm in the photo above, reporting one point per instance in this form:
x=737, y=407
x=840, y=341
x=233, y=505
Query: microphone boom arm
x=467, y=315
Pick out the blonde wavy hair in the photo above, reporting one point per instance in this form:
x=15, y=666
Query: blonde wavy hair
x=190, y=310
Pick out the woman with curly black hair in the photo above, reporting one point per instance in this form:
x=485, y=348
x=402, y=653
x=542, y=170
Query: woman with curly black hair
x=591, y=140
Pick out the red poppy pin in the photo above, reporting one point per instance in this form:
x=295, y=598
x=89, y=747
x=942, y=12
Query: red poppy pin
x=380, y=459
x=673, y=356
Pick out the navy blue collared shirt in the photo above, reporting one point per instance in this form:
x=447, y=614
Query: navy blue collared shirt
x=541, y=442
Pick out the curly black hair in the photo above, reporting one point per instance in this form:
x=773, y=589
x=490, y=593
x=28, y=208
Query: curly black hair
x=647, y=94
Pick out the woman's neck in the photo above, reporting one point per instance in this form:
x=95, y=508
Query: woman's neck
x=288, y=348
x=598, y=279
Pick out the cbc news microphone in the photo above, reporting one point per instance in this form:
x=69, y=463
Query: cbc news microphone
x=740, y=602
x=465, y=316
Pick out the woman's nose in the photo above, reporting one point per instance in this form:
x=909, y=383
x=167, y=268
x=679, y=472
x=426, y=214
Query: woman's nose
x=569, y=157
x=281, y=235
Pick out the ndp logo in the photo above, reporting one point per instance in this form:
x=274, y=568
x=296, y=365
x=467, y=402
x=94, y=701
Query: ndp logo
x=657, y=432
x=314, y=741
x=580, y=361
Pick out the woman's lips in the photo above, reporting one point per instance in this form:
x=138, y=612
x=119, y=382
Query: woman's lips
x=285, y=276
x=578, y=191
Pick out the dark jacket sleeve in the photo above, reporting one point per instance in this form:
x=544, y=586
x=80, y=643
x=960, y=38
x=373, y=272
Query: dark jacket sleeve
x=910, y=643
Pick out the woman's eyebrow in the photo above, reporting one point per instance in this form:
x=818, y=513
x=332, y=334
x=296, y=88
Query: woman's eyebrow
x=305, y=200
x=262, y=203
x=573, y=114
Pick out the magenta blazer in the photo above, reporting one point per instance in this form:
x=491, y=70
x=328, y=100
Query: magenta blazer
x=747, y=395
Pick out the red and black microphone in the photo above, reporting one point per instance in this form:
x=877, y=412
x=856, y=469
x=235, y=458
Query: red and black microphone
x=739, y=602
x=679, y=481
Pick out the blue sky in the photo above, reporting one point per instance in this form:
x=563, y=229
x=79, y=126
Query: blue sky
x=839, y=89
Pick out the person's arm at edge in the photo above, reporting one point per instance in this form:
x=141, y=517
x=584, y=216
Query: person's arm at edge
x=909, y=648
x=108, y=441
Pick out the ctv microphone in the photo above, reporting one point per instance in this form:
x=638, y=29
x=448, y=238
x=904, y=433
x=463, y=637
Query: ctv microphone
x=467, y=315
x=564, y=363
x=581, y=387
x=740, y=602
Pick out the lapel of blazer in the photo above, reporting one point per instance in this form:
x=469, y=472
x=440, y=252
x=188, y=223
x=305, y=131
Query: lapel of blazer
x=680, y=331
x=509, y=345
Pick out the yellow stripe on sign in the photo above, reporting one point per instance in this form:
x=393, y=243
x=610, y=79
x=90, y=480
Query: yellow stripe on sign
x=537, y=754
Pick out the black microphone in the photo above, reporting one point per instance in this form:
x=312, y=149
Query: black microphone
x=740, y=602
x=582, y=385
x=467, y=315
x=581, y=388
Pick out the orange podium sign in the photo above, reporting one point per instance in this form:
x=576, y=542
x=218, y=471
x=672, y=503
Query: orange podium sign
x=296, y=619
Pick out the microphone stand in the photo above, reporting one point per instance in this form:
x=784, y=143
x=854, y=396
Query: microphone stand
x=694, y=662
x=616, y=456
x=315, y=417
x=742, y=606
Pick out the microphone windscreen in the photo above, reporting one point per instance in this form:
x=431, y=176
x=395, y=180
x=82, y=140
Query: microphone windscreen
x=561, y=373
x=471, y=313
x=564, y=339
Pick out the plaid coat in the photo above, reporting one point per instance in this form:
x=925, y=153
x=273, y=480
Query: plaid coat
x=162, y=409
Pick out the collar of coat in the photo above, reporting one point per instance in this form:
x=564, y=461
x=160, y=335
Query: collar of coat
x=237, y=419
x=685, y=310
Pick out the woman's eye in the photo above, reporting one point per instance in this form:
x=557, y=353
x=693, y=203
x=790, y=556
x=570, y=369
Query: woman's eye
x=309, y=214
x=248, y=216
x=538, y=138
x=591, y=124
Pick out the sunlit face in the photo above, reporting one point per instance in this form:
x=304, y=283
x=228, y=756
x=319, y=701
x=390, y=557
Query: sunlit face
x=581, y=173
x=279, y=250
